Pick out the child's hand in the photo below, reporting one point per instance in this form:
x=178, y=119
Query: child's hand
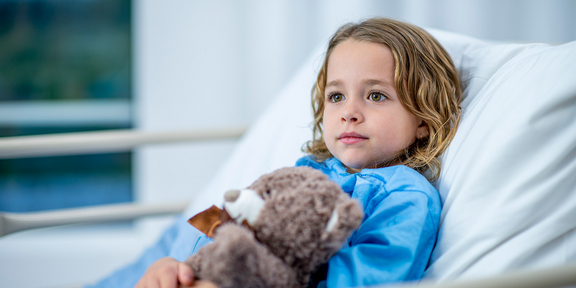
x=167, y=273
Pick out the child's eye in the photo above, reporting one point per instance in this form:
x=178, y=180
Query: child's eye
x=377, y=96
x=336, y=97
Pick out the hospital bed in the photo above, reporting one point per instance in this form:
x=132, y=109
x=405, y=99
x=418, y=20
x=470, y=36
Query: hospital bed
x=508, y=183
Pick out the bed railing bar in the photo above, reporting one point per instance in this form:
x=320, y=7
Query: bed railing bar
x=103, y=141
x=555, y=277
x=14, y=222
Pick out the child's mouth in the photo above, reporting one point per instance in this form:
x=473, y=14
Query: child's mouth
x=351, y=138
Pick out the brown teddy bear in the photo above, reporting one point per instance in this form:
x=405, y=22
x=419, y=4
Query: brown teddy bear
x=276, y=232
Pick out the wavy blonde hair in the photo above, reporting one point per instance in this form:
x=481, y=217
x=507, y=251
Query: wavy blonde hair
x=425, y=80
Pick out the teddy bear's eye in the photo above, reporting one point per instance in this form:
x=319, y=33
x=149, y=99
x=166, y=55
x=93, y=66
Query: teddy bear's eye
x=268, y=192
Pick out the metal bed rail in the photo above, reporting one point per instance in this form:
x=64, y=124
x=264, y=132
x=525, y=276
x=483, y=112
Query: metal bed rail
x=96, y=142
x=14, y=222
x=562, y=276
x=104, y=141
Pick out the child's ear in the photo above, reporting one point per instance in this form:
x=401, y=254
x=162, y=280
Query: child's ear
x=423, y=130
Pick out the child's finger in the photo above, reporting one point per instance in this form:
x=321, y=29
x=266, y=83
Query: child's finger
x=168, y=281
x=185, y=274
x=205, y=284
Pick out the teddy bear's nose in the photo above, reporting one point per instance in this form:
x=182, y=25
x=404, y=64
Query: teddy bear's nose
x=231, y=195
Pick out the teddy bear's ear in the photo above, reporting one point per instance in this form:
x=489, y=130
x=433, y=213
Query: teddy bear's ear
x=346, y=217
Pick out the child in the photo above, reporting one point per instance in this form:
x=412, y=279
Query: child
x=386, y=104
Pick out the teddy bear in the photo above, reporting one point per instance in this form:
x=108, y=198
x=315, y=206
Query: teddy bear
x=276, y=232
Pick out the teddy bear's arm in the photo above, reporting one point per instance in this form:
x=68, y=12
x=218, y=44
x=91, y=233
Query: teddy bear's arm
x=236, y=259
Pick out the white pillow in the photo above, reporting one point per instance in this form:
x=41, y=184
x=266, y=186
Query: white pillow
x=508, y=181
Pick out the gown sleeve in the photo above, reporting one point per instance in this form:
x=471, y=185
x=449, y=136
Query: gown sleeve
x=393, y=243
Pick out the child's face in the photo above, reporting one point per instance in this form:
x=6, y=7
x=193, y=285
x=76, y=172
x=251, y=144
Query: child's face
x=364, y=122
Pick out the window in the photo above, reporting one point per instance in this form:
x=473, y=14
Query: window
x=65, y=66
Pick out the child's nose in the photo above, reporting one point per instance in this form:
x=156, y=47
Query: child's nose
x=349, y=119
x=352, y=112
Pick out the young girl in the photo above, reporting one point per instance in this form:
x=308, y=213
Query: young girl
x=386, y=104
